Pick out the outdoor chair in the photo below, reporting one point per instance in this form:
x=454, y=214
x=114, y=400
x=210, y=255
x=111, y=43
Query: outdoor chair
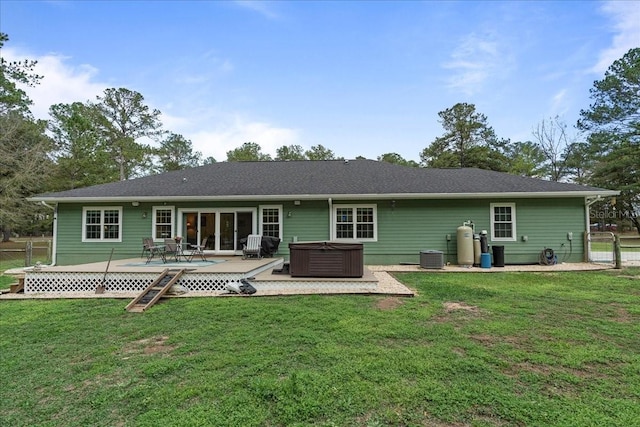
x=147, y=244
x=198, y=250
x=171, y=249
x=253, y=247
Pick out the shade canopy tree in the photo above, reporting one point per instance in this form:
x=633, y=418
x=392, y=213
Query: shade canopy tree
x=526, y=159
x=249, y=151
x=23, y=147
x=320, y=152
x=78, y=148
x=290, y=152
x=613, y=123
x=12, y=75
x=468, y=141
x=176, y=153
x=124, y=120
x=397, y=159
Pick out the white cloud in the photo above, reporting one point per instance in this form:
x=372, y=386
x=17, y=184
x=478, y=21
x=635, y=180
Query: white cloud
x=262, y=7
x=232, y=132
x=559, y=103
x=61, y=82
x=474, y=61
x=625, y=17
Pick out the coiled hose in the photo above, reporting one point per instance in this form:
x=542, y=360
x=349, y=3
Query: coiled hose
x=547, y=257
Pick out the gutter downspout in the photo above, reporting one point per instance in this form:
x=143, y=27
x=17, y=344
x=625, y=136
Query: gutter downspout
x=588, y=201
x=55, y=231
x=330, y=218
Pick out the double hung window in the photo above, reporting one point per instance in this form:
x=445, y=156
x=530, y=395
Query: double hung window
x=271, y=221
x=101, y=224
x=355, y=222
x=503, y=222
x=162, y=223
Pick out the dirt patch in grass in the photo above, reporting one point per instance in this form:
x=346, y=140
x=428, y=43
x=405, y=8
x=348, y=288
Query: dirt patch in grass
x=148, y=346
x=389, y=303
x=455, y=306
x=622, y=315
x=458, y=310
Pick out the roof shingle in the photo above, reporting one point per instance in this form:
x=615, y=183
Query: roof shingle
x=321, y=178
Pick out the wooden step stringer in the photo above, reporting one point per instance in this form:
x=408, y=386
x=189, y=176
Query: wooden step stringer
x=154, y=291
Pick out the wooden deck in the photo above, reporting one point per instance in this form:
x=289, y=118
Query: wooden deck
x=128, y=277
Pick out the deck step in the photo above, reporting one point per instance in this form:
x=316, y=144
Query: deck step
x=154, y=291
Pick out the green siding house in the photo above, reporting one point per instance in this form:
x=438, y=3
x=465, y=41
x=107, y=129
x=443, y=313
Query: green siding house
x=395, y=211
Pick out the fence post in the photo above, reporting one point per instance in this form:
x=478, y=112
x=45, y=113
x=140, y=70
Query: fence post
x=617, y=251
x=28, y=253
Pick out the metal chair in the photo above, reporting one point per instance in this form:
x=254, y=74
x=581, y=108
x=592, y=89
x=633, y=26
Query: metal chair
x=198, y=250
x=147, y=244
x=171, y=249
x=253, y=247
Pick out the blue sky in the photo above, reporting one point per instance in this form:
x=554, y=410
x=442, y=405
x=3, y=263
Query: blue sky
x=361, y=78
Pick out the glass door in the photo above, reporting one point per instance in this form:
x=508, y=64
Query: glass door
x=227, y=231
x=223, y=229
x=208, y=229
x=244, y=226
x=190, y=228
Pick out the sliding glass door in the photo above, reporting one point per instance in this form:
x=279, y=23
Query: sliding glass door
x=223, y=228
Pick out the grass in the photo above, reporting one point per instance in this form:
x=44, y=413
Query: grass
x=11, y=259
x=557, y=349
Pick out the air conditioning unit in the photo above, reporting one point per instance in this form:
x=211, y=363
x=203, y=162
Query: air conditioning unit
x=431, y=259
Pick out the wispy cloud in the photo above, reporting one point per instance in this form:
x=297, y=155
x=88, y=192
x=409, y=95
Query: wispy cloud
x=559, y=103
x=61, y=83
x=235, y=131
x=67, y=83
x=474, y=61
x=265, y=8
x=625, y=19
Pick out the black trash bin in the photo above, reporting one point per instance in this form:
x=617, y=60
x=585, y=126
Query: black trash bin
x=498, y=256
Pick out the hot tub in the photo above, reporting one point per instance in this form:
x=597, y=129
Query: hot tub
x=326, y=259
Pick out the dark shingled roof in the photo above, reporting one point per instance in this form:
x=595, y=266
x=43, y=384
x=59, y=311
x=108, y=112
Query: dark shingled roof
x=322, y=178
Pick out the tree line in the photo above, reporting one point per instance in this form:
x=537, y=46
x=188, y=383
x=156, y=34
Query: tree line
x=118, y=137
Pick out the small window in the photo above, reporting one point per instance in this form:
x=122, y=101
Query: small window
x=162, y=223
x=101, y=224
x=503, y=222
x=355, y=222
x=271, y=221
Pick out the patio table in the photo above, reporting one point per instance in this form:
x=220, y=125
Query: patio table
x=180, y=253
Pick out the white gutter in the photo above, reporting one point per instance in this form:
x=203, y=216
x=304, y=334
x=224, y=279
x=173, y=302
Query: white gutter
x=55, y=231
x=394, y=196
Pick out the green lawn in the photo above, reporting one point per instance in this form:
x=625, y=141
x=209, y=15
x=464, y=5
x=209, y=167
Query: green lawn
x=503, y=349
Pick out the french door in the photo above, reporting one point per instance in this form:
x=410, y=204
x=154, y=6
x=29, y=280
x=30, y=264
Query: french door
x=223, y=228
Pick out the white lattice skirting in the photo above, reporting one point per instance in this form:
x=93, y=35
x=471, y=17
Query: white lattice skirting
x=121, y=282
x=320, y=285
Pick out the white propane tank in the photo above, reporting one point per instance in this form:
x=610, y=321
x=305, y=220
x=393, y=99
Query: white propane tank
x=465, y=245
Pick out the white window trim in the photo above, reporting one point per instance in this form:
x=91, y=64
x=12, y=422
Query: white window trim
x=260, y=212
x=101, y=209
x=154, y=209
x=334, y=222
x=514, y=233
